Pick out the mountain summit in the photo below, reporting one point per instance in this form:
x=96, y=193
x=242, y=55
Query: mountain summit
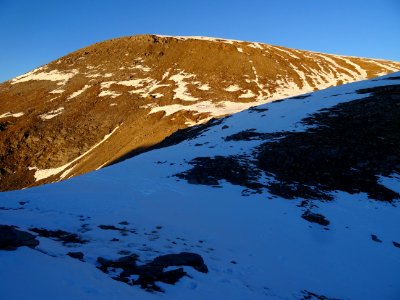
x=113, y=99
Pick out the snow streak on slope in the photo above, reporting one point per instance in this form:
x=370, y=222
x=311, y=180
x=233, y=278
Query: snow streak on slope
x=256, y=245
x=40, y=74
x=45, y=173
x=77, y=93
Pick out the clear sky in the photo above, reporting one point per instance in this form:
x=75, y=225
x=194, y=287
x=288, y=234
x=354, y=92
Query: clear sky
x=35, y=32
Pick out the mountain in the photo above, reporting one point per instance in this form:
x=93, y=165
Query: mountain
x=111, y=100
x=294, y=199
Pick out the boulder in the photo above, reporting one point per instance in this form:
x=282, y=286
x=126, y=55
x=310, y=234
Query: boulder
x=181, y=259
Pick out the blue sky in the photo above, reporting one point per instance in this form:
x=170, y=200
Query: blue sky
x=36, y=32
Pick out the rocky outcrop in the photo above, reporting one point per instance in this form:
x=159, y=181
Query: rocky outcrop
x=153, y=271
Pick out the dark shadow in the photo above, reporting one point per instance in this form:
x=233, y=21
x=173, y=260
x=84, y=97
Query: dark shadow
x=177, y=137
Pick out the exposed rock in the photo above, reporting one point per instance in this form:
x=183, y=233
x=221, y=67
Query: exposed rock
x=59, y=235
x=209, y=170
x=375, y=238
x=182, y=259
x=111, y=227
x=147, y=279
x=251, y=134
x=153, y=271
x=126, y=263
x=257, y=109
x=293, y=191
x=307, y=295
x=77, y=255
x=11, y=238
x=315, y=218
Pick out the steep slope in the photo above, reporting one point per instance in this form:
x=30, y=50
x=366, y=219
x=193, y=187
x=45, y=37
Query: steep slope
x=104, y=102
x=265, y=228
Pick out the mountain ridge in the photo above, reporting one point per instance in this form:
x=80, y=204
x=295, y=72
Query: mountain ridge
x=97, y=104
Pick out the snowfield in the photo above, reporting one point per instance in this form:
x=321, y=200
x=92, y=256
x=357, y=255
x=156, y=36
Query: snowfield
x=256, y=245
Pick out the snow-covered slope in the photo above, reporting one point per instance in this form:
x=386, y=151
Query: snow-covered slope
x=209, y=192
x=97, y=105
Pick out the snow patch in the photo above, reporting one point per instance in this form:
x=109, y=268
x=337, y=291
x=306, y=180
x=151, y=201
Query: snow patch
x=9, y=114
x=383, y=66
x=363, y=74
x=165, y=75
x=255, y=46
x=391, y=182
x=233, y=88
x=157, y=95
x=144, y=87
x=337, y=67
x=95, y=75
x=135, y=82
x=39, y=74
x=213, y=109
x=77, y=93
x=57, y=91
x=181, y=89
x=107, y=84
x=248, y=94
x=51, y=114
x=108, y=93
x=52, y=99
x=111, y=94
x=288, y=52
x=202, y=38
x=142, y=68
x=203, y=87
